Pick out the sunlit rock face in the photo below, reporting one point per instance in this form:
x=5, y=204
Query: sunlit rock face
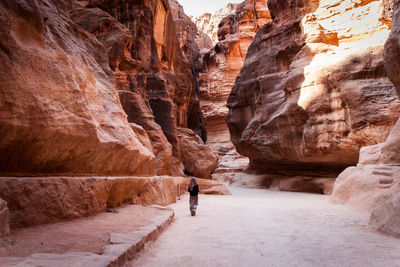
x=313, y=89
x=209, y=23
x=153, y=75
x=221, y=66
x=199, y=159
x=60, y=111
x=374, y=185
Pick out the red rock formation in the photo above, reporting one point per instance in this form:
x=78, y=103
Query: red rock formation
x=199, y=159
x=155, y=83
x=221, y=66
x=313, y=89
x=4, y=218
x=374, y=185
x=209, y=23
x=60, y=112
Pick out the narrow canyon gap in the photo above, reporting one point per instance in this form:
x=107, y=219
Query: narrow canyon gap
x=110, y=103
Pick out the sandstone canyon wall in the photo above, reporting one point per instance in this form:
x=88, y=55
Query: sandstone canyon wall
x=60, y=112
x=209, y=23
x=374, y=185
x=89, y=89
x=221, y=66
x=313, y=89
x=154, y=78
x=123, y=87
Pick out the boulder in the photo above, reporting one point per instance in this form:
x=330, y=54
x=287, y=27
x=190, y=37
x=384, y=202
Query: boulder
x=199, y=159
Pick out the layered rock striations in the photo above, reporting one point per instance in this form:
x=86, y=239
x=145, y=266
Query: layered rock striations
x=374, y=185
x=313, y=89
x=60, y=112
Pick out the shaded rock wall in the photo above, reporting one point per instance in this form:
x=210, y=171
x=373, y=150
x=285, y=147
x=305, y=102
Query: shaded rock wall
x=4, y=219
x=313, y=89
x=374, y=185
x=60, y=112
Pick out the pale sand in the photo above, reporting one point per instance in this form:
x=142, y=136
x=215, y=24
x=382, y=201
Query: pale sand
x=255, y=227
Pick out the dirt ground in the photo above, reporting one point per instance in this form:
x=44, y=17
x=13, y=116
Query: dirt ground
x=256, y=227
x=82, y=235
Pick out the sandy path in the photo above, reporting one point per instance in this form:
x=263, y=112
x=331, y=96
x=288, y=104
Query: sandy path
x=265, y=228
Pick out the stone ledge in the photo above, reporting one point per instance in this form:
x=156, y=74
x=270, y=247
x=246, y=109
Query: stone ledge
x=124, y=248
x=42, y=200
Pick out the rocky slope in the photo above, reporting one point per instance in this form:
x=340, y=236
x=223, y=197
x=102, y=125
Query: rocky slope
x=374, y=185
x=313, y=89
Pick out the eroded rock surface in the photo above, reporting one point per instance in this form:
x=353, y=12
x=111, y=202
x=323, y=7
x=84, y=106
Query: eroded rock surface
x=374, y=185
x=35, y=201
x=221, y=66
x=313, y=89
x=153, y=74
x=60, y=112
x=4, y=218
x=209, y=23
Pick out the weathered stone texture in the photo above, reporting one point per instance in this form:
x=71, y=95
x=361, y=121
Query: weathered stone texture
x=374, y=185
x=313, y=89
x=153, y=75
x=60, y=112
x=4, y=218
x=221, y=66
x=209, y=23
x=35, y=201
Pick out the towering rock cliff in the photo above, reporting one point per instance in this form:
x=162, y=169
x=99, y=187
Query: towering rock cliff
x=221, y=66
x=154, y=79
x=60, y=112
x=313, y=89
x=374, y=185
x=209, y=23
